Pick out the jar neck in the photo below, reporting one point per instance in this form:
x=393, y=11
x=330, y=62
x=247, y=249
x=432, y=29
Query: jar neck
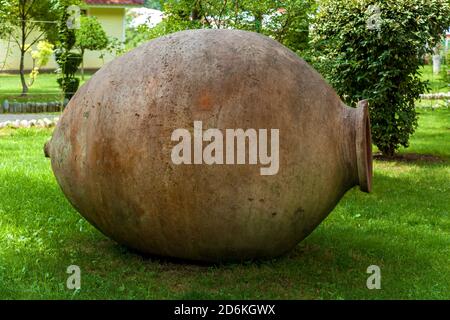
x=359, y=145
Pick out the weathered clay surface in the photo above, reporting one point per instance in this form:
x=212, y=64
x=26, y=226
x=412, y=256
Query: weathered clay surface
x=111, y=150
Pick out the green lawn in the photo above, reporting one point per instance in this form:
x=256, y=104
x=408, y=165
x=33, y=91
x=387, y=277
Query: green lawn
x=436, y=81
x=44, y=89
x=403, y=227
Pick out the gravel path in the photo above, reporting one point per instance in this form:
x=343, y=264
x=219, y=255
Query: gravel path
x=26, y=116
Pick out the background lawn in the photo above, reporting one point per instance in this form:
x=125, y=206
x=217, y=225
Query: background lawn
x=44, y=89
x=437, y=83
x=403, y=227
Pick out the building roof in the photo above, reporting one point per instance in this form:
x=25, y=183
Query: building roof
x=115, y=2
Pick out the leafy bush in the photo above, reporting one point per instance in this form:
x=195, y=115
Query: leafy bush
x=40, y=57
x=67, y=60
x=90, y=36
x=373, y=50
x=69, y=86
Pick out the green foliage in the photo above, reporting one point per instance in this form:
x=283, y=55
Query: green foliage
x=66, y=35
x=136, y=36
x=379, y=63
x=27, y=15
x=40, y=57
x=286, y=21
x=68, y=65
x=24, y=23
x=42, y=53
x=69, y=85
x=115, y=47
x=3, y=24
x=90, y=35
x=291, y=28
x=67, y=60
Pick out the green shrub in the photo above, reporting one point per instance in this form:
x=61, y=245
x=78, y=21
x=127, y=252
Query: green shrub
x=69, y=86
x=373, y=50
x=67, y=60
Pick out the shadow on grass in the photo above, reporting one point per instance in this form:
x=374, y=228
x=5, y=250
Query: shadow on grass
x=410, y=158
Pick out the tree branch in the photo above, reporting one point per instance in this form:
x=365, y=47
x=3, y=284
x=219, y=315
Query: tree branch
x=225, y=2
x=29, y=8
x=30, y=30
x=36, y=40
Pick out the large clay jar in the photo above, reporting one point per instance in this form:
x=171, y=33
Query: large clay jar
x=111, y=150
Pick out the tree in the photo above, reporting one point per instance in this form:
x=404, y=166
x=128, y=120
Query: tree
x=373, y=50
x=67, y=60
x=286, y=21
x=26, y=22
x=90, y=36
x=4, y=35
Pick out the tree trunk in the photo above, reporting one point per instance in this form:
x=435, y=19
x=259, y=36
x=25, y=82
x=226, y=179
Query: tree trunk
x=388, y=151
x=22, y=51
x=22, y=72
x=82, y=64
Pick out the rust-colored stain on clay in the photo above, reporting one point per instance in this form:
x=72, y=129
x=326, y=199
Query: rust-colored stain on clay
x=205, y=102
